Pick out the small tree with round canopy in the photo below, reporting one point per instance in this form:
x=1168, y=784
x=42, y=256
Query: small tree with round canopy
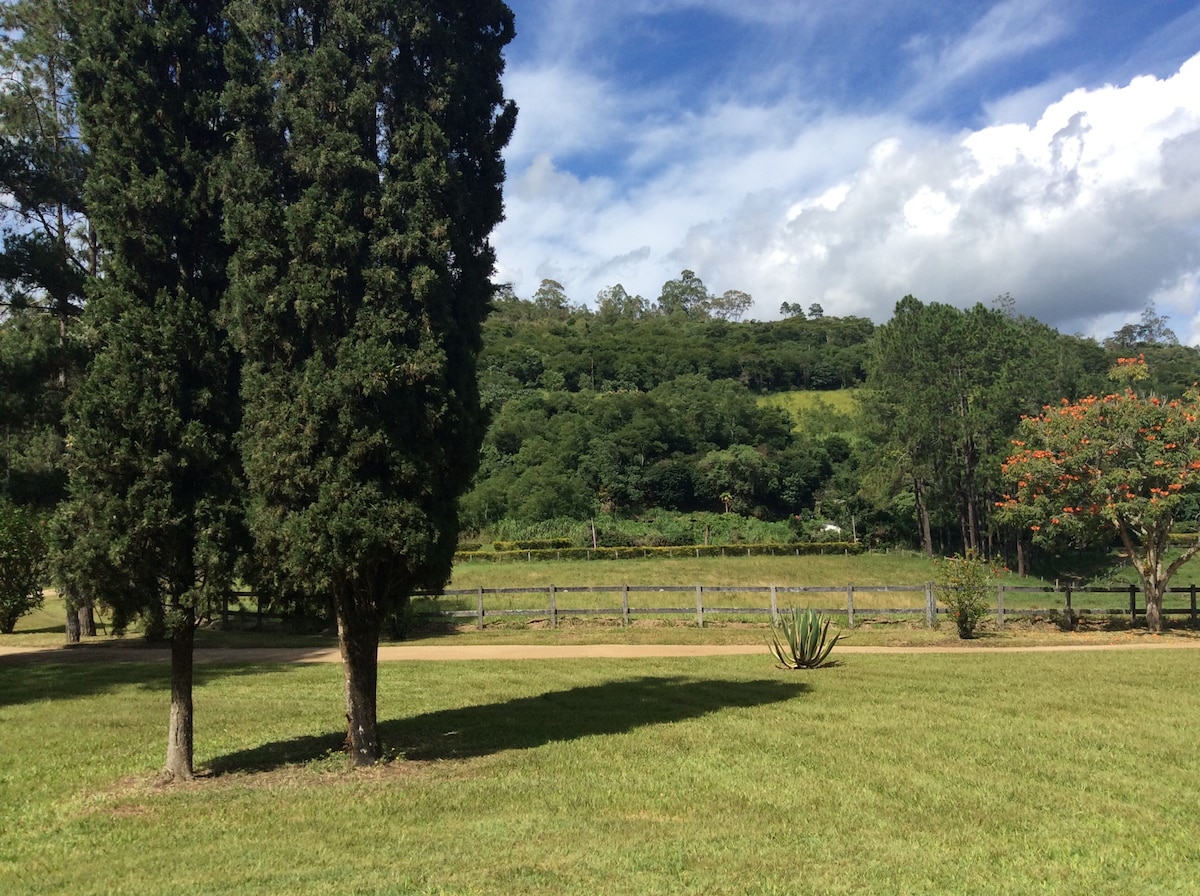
x=1124, y=463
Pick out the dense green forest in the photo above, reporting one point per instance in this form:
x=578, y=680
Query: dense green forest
x=635, y=411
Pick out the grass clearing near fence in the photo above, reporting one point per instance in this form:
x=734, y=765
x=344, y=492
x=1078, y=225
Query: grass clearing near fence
x=985, y=773
x=893, y=568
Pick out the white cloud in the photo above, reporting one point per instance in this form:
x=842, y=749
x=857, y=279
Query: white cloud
x=1084, y=214
x=1011, y=28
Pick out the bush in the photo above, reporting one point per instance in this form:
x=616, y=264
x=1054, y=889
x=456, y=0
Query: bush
x=961, y=583
x=502, y=554
x=532, y=544
x=801, y=640
x=22, y=561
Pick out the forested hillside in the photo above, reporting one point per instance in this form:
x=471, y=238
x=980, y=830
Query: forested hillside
x=633, y=410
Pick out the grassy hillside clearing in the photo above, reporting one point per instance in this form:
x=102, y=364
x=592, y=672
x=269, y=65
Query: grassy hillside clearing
x=819, y=413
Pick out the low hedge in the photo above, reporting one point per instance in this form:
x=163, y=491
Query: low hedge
x=636, y=553
x=531, y=544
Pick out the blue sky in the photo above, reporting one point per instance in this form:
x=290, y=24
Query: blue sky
x=850, y=153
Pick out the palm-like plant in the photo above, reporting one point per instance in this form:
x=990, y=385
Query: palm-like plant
x=800, y=640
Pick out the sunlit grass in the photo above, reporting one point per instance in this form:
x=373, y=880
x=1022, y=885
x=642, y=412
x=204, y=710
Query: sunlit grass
x=892, y=568
x=807, y=407
x=883, y=774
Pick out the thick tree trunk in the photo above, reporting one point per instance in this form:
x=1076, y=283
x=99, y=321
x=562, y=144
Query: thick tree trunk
x=1154, y=602
x=87, y=616
x=180, y=742
x=358, y=638
x=71, y=603
x=1021, y=555
x=72, y=624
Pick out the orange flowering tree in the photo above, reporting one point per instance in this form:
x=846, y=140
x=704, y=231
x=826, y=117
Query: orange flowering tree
x=1122, y=462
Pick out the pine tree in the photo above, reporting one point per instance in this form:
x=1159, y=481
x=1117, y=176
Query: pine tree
x=154, y=506
x=365, y=181
x=44, y=257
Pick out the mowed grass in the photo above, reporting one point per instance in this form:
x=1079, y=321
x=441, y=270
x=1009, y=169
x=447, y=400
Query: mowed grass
x=976, y=773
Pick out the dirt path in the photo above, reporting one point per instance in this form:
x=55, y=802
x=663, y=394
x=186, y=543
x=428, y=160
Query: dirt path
x=121, y=653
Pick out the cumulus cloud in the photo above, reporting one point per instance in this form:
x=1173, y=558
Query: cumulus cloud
x=1083, y=204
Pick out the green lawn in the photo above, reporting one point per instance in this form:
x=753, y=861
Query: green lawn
x=1010, y=773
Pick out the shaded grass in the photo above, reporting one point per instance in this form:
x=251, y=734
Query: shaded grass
x=1065, y=773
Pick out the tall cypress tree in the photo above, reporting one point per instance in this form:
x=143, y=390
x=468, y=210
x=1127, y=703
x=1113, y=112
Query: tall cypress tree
x=365, y=182
x=153, y=470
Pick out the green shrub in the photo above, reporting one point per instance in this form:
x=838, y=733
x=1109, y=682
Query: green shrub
x=22, y=561
x=532, y=544
x=961, y=583
x=800, y=639
x=505, y=552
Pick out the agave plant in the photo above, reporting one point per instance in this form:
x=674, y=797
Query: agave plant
x=800, y=640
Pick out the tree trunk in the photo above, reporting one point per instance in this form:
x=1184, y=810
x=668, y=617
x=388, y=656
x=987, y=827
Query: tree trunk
x=972, y=525
x=180, y=742
x=358, y=638
x=72, y=624
x=1021, y=554
x=87, y=616
x=923, y=517
x=1154, y=602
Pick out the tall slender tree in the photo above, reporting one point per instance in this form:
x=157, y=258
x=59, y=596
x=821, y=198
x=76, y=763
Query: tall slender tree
x=46, y=258
x=42, y=260
x=153, y=469
x=365, y=181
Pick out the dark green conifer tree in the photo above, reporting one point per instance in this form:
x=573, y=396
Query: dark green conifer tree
x=154, y=499
x=365, y=182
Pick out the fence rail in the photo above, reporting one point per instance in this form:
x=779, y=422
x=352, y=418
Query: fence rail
x=706, y=602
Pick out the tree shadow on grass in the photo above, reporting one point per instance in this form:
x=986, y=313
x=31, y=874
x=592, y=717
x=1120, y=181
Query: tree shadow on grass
x=57, y=674
x=614, y=707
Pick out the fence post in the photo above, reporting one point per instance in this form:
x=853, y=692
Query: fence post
x=1000, y=606
x=775, y=605
x=850, y=605
x=479, y=608
x=930, y=606
x=1133, y=606
x=700, y=606
x=625, y=604
x=553, y=610
x=1193, y=604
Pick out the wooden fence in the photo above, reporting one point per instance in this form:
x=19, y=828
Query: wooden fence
x=707, y=603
